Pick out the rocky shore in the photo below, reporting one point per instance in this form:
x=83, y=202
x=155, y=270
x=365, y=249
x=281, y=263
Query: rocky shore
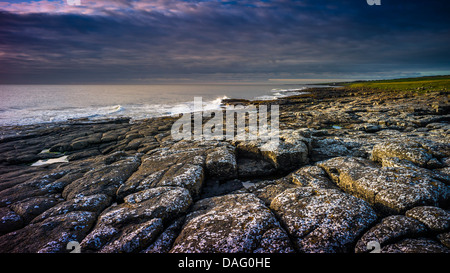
x=353, y=167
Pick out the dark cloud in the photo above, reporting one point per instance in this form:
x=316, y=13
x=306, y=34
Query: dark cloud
x=216, y=40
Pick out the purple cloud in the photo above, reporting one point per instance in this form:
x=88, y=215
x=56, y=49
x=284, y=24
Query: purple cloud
x=49, y=41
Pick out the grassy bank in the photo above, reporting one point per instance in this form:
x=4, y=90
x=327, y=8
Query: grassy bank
x=421, y=84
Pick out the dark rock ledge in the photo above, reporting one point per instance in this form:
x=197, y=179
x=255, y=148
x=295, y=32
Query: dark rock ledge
x=352, y=167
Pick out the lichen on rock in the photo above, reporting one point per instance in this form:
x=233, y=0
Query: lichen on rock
x=391, y=190
x=322, y=220
x=346, y=168
x=235, y=223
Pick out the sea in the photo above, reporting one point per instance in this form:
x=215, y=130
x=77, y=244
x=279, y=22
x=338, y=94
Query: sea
x=34, y=104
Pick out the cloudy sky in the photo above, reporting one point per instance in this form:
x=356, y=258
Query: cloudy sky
x=171, y=41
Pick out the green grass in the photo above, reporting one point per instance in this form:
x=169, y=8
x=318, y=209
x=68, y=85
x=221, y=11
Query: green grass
x=422, y=84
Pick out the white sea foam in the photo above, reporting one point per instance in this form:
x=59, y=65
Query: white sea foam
x=135, y=111
x=22, y=105
x=283, y=90
x=278, y=93
x=266, y=97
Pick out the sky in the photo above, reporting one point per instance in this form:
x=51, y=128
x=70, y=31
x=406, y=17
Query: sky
x=187, y=41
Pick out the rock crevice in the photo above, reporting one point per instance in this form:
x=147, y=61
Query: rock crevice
x=350, y=168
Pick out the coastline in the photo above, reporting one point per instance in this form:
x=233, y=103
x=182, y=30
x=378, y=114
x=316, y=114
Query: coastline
x=138, y=102
x=377, y=164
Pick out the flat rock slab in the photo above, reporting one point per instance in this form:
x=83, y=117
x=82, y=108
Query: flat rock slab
x=183, y=169
x=235, y=223
x=130, y=187
x=421, y=245
x=185, y=164
x=105, y=179
x=50, y=235
x=9, y=220
x=391, y=228
x=322, y=220
x=33, y=206
x=391, y=190
x=290, y=152
x=436, y=219
x=136, y=223
x=92, y=203
x=421, y=152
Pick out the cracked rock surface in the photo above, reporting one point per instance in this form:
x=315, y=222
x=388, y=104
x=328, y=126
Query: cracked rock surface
x=351, y=167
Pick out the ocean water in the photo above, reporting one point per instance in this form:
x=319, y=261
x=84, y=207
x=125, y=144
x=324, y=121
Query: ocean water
x=31, y=104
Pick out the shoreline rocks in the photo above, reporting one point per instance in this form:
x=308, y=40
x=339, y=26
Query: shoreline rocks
x=351, y=167
x=233, y=223
x=391, y=190
x=322, y=220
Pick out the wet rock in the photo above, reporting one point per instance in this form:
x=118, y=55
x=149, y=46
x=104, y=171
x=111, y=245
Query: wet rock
x=322, y=220
x=391, y=190
x=436, y=219
x=235, y=223
x=235, y=102
x=390, y=229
